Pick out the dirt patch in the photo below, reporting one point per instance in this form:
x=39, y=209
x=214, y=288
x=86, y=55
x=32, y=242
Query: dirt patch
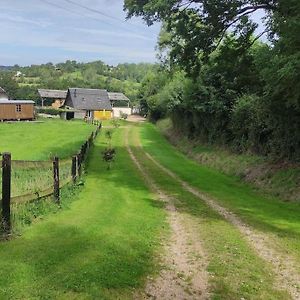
x=283, y=266
x=183, y=274
x=136, y=119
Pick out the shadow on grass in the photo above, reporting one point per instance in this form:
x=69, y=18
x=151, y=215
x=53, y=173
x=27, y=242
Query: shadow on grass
x=68, y=258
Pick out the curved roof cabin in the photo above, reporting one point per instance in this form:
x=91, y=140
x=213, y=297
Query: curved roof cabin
x=16, y=110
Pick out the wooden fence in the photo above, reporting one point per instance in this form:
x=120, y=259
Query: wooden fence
x=54, y=189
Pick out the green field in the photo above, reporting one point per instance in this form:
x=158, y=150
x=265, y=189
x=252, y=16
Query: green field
x=41, y=141
x=108, y=237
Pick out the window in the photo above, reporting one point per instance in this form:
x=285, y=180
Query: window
x=18, y=108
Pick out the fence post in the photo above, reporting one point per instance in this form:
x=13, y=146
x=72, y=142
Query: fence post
x=56, y=179
x=79, y=164
x=74, y=166
x=6, y=191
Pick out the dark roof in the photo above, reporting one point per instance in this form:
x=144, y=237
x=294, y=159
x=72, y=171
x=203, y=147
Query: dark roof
x=117, y=97
x=16, y=102
x=56, y=94
x=88, y=99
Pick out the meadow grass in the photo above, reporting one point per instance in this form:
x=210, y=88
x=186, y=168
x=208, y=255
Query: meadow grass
x=41, y=141
x=235, y=271
x=35, y=177
x=281, y=179
x=101, y=247
x=280, y=220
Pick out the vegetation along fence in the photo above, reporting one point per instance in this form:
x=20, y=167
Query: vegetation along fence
x=25, y=181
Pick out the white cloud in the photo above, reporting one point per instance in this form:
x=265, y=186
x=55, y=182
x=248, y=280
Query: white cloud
x=34, y=31
x=19, y=19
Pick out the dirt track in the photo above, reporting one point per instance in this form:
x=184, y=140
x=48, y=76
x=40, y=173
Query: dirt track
x=183, y=275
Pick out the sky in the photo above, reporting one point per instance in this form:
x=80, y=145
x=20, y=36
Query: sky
x=41, y=31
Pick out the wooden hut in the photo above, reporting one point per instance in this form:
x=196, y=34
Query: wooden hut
x=16, y=110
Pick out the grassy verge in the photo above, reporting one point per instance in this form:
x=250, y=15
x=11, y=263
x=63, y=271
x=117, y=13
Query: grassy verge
x=100, y=248
x=40, y=141
x=235, y=270
x=279, y=179
x=268, y=214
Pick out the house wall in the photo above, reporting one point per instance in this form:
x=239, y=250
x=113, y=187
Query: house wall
x=8, y=112
x=103, y=115
x=79, y=115
x=117, y=111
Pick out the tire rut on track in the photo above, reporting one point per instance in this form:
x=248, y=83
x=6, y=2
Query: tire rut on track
x=286, y=276
x=183, y=274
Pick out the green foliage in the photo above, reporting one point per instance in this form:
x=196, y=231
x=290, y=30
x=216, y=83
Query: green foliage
x=197, y=27
x=108, y=156
x=48, y=111
x=236, y=91
x=125, y=78
x=8, y=84
x=124, y=116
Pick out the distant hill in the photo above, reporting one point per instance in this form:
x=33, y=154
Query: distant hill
x=6, y=68
x=125, y=78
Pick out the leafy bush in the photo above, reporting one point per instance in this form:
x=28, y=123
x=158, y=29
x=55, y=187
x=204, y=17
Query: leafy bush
x=123, y=115
x=48, y=111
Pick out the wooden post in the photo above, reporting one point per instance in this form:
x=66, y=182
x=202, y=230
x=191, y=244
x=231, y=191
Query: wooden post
x=74, y=168
x=82, y=153
x=6, y=191
x=79, y=164
x=56, y=179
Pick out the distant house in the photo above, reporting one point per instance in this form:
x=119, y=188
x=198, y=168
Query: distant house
x=19, y=74
x=91, y=104
x=16, y=110
x=120, y=104
x=3, y=95
x=54, y=98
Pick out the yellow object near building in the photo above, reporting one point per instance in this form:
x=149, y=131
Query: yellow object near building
x=102, y=115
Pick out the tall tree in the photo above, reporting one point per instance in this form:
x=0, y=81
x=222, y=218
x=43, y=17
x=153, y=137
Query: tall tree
x=197, y=27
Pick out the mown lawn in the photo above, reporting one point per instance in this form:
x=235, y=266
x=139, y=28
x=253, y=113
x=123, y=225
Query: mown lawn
x=271, y=215
x=40, y=141
x=102, y=247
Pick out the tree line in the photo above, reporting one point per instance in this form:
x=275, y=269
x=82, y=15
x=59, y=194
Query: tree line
x=225, y=79
x=125, y=78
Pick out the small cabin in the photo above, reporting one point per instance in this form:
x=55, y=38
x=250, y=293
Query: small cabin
x=16, y=110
